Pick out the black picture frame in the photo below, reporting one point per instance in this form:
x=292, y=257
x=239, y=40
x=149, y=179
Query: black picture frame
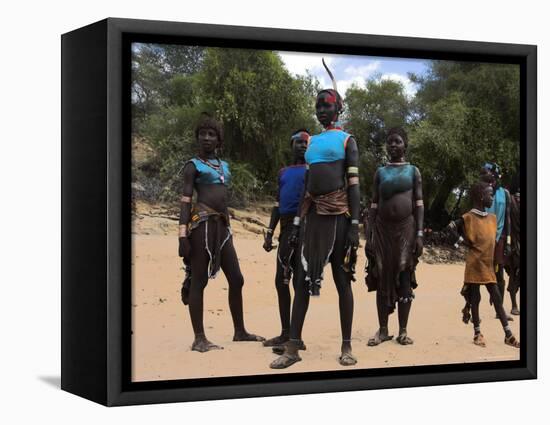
x=96, y=211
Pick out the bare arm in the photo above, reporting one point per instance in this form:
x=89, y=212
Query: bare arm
x=418, y=201
x=352, y=171
x=189, y=173
x=507, y=222
x=373, y=208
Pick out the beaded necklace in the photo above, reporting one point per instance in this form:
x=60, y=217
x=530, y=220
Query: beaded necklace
x=217, y=168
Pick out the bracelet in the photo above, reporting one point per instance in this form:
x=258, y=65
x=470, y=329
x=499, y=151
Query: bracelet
x=296, y=221
x=185, y=199
x=183, y=231
x=509, y=240
x=420, y=233
x=355, y=222
x=352, y=181
x=353, y=170
x=420, y=203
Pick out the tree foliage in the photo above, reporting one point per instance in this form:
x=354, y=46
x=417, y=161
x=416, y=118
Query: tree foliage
x=462, y=115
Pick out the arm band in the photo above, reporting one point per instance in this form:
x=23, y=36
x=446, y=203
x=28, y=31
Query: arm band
x=296, y=221
x=352, y=181
x=374, y=206
x=420, y=203
x=183, y=231
x=185, y=199
x=353, y=170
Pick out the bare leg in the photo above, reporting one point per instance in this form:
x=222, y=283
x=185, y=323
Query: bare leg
x=406, y=296
x=283, y=295
x=199, y=279
x=345, y=297
x=232, y=271
x=382, y=334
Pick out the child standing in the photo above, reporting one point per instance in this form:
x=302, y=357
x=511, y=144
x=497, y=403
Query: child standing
x=478, y=228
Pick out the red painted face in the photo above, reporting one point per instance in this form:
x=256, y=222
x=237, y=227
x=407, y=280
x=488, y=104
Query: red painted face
x=327, y=107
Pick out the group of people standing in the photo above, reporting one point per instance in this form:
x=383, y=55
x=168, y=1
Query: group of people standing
x=318, y=210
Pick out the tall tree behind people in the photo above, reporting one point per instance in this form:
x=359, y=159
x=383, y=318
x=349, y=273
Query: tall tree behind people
x=464, y=111
x=371, y=111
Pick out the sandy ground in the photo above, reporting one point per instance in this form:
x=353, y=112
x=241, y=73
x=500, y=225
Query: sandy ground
x=162, y=333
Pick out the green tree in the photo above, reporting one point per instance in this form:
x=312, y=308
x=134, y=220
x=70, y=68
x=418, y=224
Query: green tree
x=370, y=112
x=468, y=114
x=260, y=104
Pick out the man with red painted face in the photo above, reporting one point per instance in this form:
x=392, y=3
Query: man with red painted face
x=327, y=226
x=290, y=187
x=394, y=237
x=205, y=239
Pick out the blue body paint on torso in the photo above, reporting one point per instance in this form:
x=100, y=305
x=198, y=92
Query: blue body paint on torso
x=328, y=146
x=499, y=209
x=208, y=175
x=395, y=179
x=291, y=184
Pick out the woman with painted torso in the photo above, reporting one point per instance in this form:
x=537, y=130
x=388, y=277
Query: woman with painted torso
x=394, y=237
x=205, y=239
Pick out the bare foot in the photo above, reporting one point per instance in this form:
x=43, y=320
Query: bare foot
x=278, y=340
x=245, y=336
x=202, y=345
x=380, y=337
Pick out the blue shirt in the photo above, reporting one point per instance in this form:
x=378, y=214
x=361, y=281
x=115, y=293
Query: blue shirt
x=208, y=175
x=499, y=209
x=291, y=184
x=329, y=146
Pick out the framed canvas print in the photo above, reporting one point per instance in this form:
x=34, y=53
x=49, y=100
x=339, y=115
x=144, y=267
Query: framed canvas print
x=251, y=212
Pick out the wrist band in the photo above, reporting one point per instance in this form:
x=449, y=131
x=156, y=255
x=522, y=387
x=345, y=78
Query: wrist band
x=185, y=199
x=296, y=221
x=420, y=203
x=374, y=206
x=354, y=221
x=420, y=233
x=183, y=231
x=352, y=181
x=353, y=170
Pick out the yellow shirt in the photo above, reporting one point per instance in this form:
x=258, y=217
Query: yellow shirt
x=480, y=232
